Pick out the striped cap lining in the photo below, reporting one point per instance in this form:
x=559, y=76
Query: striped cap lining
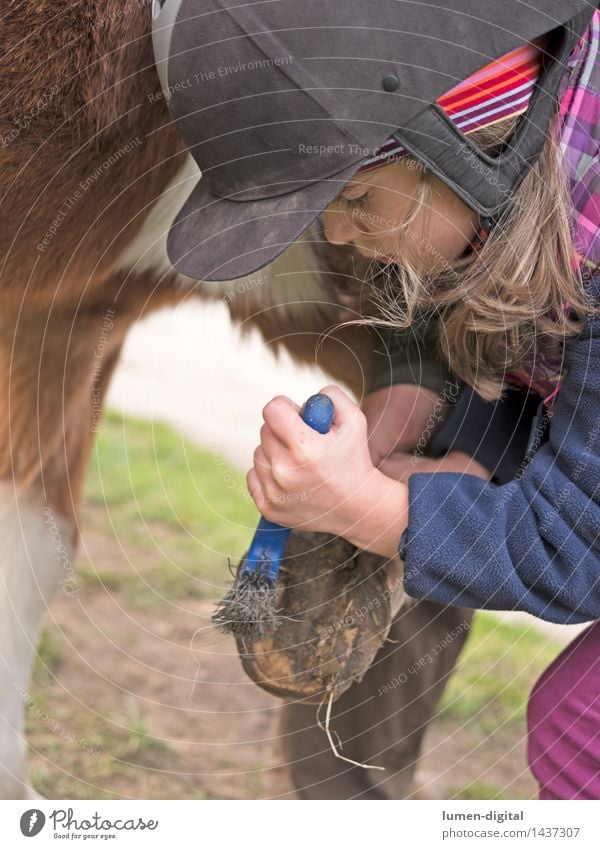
x=500, y=90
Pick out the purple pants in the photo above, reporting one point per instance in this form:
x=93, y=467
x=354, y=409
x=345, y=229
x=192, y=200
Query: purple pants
x=563, y=718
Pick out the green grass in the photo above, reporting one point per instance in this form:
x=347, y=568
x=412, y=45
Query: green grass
x=177, y=513
x=495, y=673
x=87, y=757
x=485, y=702
x=479, y=790
x=48, y=656
x=140, y=744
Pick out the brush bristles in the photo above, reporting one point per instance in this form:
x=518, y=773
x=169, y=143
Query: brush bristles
x=249, y=606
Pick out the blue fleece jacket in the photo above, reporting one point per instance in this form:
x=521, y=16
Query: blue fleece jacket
x=533, y=543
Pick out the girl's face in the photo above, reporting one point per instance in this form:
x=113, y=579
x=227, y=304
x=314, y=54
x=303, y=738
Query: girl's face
x=372, y=206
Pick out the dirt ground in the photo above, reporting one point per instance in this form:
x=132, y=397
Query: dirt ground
x=133, y=703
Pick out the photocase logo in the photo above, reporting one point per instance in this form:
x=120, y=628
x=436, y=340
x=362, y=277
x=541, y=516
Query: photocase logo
x=32, y=822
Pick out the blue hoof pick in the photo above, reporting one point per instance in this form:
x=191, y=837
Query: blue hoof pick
x=249, y=606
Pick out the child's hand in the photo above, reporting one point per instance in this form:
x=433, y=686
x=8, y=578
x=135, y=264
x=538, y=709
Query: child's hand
x=326, y=482
x=400, y=417
x=400, y=466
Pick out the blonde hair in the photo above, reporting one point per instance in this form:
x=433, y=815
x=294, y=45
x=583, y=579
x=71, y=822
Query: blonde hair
x=505, y=304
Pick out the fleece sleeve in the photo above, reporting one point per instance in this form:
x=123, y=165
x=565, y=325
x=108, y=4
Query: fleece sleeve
x=533, y=543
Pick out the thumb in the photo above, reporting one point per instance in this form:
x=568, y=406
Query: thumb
x=345, y=409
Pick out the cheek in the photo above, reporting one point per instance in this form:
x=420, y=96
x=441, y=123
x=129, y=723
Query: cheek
x=390, y=209
x=439, y=235
x=453, y=225
x=447, y=239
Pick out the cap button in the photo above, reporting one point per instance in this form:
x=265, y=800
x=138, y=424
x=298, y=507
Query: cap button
x=390, y=82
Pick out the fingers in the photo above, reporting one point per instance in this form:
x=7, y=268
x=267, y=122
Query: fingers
x=261, y=464
x=282, y=416
x=255, y=489
x=345, y=409
x=399, y=466
x=266, y=475
x=284, y=419
x=264, y=484
x=401, y=417
x=272, y=446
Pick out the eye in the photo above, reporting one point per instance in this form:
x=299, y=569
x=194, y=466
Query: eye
x=352, y=203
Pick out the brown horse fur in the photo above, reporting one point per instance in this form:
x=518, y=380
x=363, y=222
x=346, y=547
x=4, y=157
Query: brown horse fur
x=92, y=71
x=92, y=171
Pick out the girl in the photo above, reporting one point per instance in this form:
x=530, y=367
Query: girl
x=481, y=241
x=501, y=298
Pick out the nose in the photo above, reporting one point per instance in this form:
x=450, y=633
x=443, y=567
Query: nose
x=338, y=226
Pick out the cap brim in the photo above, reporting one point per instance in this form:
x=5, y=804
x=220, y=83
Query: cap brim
x=217, y=239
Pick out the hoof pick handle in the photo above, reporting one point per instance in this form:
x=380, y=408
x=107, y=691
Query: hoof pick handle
x=269, y=541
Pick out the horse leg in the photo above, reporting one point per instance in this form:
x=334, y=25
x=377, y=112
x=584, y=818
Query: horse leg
x=302, y=302
x=51, y=384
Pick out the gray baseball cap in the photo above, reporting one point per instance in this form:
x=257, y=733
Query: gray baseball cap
x=280, y=101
